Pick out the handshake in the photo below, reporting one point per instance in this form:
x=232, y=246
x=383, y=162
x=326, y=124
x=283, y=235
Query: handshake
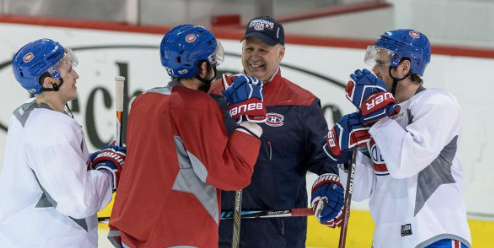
x=244, y=96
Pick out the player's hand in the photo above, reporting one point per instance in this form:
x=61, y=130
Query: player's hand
x=378, y=106
x=244, y=96
x=362, y=84
x=368, y=93
x=111, y=158
x=327, y=199
x=344, y=136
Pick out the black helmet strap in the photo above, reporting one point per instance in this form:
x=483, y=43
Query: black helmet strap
x=56, y=87
x=396, y=80
x=207, y=82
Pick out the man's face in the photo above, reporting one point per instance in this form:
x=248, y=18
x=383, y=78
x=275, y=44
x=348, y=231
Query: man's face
x=261, y=60
x=381, y=68
x=68, y=89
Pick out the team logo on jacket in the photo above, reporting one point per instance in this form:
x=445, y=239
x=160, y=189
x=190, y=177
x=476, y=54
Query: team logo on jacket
x=274, y=119
x=377, y=159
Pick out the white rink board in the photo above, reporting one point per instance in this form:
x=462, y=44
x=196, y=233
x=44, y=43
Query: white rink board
x=469, y=79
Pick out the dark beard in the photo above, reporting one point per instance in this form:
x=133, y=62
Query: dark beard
x=205, y=87
x=207, y=82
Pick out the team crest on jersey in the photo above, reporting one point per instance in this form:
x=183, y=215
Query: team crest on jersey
x=377, y=160
x=274, y=119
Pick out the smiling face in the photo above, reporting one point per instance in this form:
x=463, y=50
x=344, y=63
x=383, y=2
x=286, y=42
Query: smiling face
x=68, y=90
x=261, y=60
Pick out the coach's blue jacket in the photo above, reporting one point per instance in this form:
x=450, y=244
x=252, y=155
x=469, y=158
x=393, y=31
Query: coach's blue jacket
x=291, y=145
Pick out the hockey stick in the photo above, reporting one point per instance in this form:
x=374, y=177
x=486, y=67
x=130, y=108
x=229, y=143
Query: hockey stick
x=236, y=218
x=119, y=94
x=348, y=200
x=259, y=214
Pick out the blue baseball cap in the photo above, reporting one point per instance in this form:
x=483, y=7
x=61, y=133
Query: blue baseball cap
x=266, y=29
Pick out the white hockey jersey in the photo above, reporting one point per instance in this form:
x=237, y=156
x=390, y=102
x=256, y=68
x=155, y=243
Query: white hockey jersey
x=412, y=173
x=47, y=196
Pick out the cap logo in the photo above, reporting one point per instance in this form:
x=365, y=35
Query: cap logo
x=190, y=38
x=28, y=57
x=414, y=34
x=260, y=25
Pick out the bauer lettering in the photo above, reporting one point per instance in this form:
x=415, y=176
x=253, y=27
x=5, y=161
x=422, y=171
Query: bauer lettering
x=376, y=100
x=246, y=107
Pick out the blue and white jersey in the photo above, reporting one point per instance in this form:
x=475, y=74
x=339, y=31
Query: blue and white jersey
x=412, y=173
x=48, y=198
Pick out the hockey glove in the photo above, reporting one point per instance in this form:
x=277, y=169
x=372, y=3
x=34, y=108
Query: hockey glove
x=111, y=158
x=327, y=199
x=368, y=93
x=345, y=136
x=244, y=96
x=378, y=106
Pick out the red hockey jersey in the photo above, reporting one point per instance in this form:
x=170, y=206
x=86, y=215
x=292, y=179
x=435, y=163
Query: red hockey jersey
x=179, y=157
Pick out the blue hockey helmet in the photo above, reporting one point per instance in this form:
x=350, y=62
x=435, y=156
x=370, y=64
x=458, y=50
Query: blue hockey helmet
x=184, y=46
x=399, y=44
x=38, y=58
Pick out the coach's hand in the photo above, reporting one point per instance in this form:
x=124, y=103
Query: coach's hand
x=327, y=199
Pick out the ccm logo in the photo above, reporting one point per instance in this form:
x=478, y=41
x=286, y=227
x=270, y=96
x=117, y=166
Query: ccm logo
x=246, y=107
x=375, y=101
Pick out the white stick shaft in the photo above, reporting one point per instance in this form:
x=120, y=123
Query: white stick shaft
x=119, y=95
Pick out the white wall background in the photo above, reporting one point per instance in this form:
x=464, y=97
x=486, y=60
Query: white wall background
x=470, y=79
x=446, y=22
